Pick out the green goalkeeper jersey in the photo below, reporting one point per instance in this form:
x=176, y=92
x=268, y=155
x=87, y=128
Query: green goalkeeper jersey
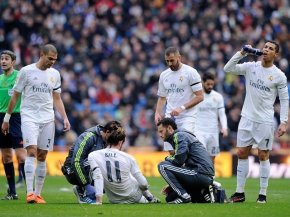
x=6, y=91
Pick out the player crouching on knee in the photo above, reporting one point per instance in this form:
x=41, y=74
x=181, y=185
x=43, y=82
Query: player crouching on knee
x=189, y=172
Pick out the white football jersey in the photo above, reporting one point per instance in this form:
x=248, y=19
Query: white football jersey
x=117, y=168
x=263, y=85
x=178, y=87
x=37, y=87
x=207, y=119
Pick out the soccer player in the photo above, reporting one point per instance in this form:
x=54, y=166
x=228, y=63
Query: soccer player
x=40, y=86
x=211, y=113
x=76, y=167
x=180, y=89
x=264, y=82
x=189, y=172
x=14, y=138
x=118, y=173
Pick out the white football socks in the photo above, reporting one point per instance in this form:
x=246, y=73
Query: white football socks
x=242, y=173
x=264, y=176
x=40, y=175
x=29, y=173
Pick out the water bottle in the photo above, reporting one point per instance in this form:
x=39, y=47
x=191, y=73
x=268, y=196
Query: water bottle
x=253, y=51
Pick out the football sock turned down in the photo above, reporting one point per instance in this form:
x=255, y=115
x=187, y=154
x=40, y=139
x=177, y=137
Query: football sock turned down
x=40, y=175
x=10, y=175
x=242, y=172
x=264, y=176
x=29, y=173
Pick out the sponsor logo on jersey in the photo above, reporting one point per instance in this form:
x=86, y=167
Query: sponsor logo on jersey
x=259, y=85
x=174, y=89
x=44, y=88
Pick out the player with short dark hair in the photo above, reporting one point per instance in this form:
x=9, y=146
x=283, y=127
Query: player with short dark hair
x=40, y=86
x=76, y=167
x=189, y=172
x=180, y=89
x=13, y=139
x=264, y=82
x=210, y=117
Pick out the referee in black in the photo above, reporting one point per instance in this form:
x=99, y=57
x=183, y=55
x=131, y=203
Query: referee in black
x=190, y=171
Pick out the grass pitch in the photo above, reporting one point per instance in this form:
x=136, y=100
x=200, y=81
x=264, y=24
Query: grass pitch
x=62, y=202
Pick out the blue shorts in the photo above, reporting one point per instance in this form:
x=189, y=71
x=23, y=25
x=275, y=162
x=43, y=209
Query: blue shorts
x=14, y=138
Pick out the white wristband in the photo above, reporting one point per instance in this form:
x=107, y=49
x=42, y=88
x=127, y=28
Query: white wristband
x=182, y=107
x=6, y=117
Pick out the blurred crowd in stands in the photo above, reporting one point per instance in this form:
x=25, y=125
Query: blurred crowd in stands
x=111, y=53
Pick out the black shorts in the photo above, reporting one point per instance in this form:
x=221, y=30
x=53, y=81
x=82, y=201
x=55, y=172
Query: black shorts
x=14, y=138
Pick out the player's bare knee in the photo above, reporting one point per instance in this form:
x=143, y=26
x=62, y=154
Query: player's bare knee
x=263, y=155
x=7, y=159
x=242, y=154
x=41, y=155
x=21, y=155
x=21, y=159
x=7, y=155
x=31, y=151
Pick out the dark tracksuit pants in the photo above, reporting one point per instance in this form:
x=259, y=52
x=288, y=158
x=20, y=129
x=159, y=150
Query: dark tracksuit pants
x=183, y=180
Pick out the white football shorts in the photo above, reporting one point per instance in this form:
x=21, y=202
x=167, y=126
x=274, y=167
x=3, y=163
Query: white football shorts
x=250, y=133
x=210, y=141
x=41, y=135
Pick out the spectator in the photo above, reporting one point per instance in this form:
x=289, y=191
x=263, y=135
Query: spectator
x=95, y=38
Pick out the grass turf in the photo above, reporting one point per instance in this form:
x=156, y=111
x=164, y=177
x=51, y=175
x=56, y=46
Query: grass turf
x=62, y=202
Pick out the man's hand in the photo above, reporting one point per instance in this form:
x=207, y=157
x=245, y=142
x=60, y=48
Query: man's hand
x=155, y=200
x=5, y=128
x=66, y=125
x=224, y=132
x=176, y=112
x=282, y=129
x=244, y=52
x=157, y=117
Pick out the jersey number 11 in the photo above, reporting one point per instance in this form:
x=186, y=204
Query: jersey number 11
x=109, y=171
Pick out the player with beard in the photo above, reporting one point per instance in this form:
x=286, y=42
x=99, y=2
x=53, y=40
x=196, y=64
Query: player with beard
x=180, y=89
x=211, y=113
x=189, y=172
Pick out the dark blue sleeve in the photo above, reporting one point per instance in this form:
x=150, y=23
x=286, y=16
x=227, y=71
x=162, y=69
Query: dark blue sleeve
x=83, y=146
